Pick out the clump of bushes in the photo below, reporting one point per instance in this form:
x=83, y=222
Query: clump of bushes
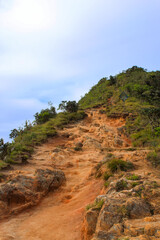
x=154, y=157
x=45, y=115
x=70, y=106
x=117, y=164
x=121, y=185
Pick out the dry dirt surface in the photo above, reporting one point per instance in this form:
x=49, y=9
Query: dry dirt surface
x=60, y=214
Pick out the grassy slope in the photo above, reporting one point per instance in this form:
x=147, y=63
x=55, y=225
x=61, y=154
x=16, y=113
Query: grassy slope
x=143, y=89
x=23, y=145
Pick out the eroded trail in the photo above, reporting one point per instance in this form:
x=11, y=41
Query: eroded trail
x=60, y=215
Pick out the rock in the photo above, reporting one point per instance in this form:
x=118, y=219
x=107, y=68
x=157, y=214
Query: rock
x=118, y=142
x=3, y=208
x=85, y=130
x=92, y=143
x=69, y=165
x=90, y=223
x=24, y=191
x=102, y=235
x=48, y=180
x=137, y=208
x=79, y=145
x=112, y=213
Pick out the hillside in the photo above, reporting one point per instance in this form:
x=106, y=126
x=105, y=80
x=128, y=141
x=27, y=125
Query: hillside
x=142, y=106
x=92, y=174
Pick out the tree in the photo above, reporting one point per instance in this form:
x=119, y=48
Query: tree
x=70, y=106
x=4, y=148
x=45, y=115
x=112, y=80
x=14, y=133
x=153, y=115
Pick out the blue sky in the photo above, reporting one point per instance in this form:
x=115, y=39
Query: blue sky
x=54, y=50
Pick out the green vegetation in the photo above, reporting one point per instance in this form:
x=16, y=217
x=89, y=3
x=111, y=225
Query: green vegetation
x=134, y=184
x=142, y=105
x=96, y=205
x=70, y=106
x=106, y=184
x=154, y=157
x=133, y=177
x=121, y=185
x=141, y=110
x=45, y=115
x=106, y=176
x=117, y=164
x=46, y=124
x=3, y=164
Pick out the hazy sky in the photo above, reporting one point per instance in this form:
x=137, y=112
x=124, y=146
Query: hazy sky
x=58, y=49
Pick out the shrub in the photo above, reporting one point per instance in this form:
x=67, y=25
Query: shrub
x=70, y=106
x=96, y=205
x=106, y=176
x=3, y=164
x=45, y=115
x=106, y=184
x=118, y=164
x=23, y=145
x=78, y=148
x=154, y=158
x=133, y=177
x=121, y=185
x=5, y=149
x=134, y=184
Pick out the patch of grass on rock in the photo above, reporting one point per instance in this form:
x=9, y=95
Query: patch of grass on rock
x=117, y=164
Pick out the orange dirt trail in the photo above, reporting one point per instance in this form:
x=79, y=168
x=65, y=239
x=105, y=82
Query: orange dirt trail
x=60, y=215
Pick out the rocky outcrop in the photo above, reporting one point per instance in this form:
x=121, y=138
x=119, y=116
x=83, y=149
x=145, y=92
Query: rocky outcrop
x=23, y=191
x=128, y=212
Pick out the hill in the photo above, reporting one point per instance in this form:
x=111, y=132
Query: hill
x=97, y=165
x=142, y=105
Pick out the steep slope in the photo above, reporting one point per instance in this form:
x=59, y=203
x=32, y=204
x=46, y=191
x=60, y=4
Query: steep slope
x=105, y=153
x=60, y=215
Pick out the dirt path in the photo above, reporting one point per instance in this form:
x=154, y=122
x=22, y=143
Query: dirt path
x=60, y=215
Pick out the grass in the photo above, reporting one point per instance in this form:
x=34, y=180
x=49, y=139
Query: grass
x=23, y=146
x=154, y=157
x=106, y=184
x=134, y=184
x=106, y=176
x=121, y=185
x=117, y=164
x=3, y=164
x=96, y=205
x=133, y=177
x=143, y=90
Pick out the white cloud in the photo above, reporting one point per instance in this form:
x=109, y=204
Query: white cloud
x=28, y=16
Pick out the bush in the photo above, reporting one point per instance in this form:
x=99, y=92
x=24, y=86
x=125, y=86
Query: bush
x=133, y=177
x=96, y=205
x=3, y=164
x=23, y=145
x=70, y=106
x=118, y=164
x=45, y=115
x=106, y=176
x=154, y=158
x=121, y=185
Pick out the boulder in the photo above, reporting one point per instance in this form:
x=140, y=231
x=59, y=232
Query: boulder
x=24, y=191
x=138, y=208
